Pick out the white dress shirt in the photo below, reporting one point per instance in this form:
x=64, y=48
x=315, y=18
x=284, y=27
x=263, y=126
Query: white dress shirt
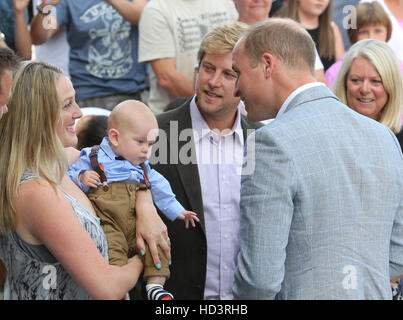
x=219, y=159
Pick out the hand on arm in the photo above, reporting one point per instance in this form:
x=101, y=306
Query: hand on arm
x=150, y=228
x=189, y=216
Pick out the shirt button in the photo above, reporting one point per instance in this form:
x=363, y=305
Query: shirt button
x=225, y=267
x=226, y=236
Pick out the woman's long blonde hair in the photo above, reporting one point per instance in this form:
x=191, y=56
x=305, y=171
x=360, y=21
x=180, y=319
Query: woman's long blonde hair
x=28, y=136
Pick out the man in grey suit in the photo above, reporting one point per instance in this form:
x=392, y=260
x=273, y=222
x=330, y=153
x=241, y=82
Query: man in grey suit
x=322, y=214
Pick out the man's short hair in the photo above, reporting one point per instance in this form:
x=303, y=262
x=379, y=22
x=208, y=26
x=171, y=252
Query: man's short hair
x=221, y=39
x=285, y=39
x=8, y=60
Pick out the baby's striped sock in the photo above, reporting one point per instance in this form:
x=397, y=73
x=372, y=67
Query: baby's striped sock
x=157, y=292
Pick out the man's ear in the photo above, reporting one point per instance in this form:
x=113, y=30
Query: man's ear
x=113, y=136
x=267, y=61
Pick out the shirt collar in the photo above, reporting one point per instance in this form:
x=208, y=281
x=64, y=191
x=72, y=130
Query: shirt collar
x=295, y=93
x=200, y=126
x=107, y=148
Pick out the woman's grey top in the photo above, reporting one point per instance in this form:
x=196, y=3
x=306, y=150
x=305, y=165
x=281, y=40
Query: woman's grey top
x=33, y=272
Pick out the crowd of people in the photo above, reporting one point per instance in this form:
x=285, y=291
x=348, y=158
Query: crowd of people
x=216, y=150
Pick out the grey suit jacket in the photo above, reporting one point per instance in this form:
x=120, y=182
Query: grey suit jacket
x=322, y=214
x=189, y=246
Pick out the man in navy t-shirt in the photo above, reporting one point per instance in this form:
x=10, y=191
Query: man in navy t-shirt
x=103, y=41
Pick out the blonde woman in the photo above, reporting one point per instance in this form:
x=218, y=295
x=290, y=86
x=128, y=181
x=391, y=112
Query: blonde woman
x=370, y=82
x=50, y=239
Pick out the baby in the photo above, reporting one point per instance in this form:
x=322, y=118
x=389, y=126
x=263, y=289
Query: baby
x=114, y=171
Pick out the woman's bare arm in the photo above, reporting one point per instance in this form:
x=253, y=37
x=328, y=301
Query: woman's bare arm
x=46, y=217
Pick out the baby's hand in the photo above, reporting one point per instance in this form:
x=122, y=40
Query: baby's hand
x=90, y=178
x=189, y=216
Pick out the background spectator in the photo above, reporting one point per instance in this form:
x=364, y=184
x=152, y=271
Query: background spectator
x=372, y=22
x=370, y=82
x=91, y=130
x=13, y=24
x=341, y=9
x=170, y=35
x=56, y=50
x=103, y=39
x=395, y=11
x=316, y=17
x=8, y=64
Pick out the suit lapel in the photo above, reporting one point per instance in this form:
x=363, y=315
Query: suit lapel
x=189, y=173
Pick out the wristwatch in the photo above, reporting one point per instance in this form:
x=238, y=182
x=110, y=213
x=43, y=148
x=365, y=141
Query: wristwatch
x=40, y=10
x=2, y=37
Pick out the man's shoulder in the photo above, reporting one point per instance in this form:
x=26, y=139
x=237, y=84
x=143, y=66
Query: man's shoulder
x=246, y=124
x=181, y=113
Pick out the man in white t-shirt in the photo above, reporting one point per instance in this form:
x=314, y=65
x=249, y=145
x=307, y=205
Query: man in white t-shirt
x=170, y=35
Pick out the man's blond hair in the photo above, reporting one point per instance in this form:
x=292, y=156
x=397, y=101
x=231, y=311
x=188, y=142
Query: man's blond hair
x=221, y=39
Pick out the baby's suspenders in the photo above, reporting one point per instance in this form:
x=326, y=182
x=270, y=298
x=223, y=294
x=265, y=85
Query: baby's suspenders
x=100, y=170
x=98, y=167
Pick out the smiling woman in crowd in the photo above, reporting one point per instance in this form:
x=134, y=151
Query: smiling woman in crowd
x=370, y=82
